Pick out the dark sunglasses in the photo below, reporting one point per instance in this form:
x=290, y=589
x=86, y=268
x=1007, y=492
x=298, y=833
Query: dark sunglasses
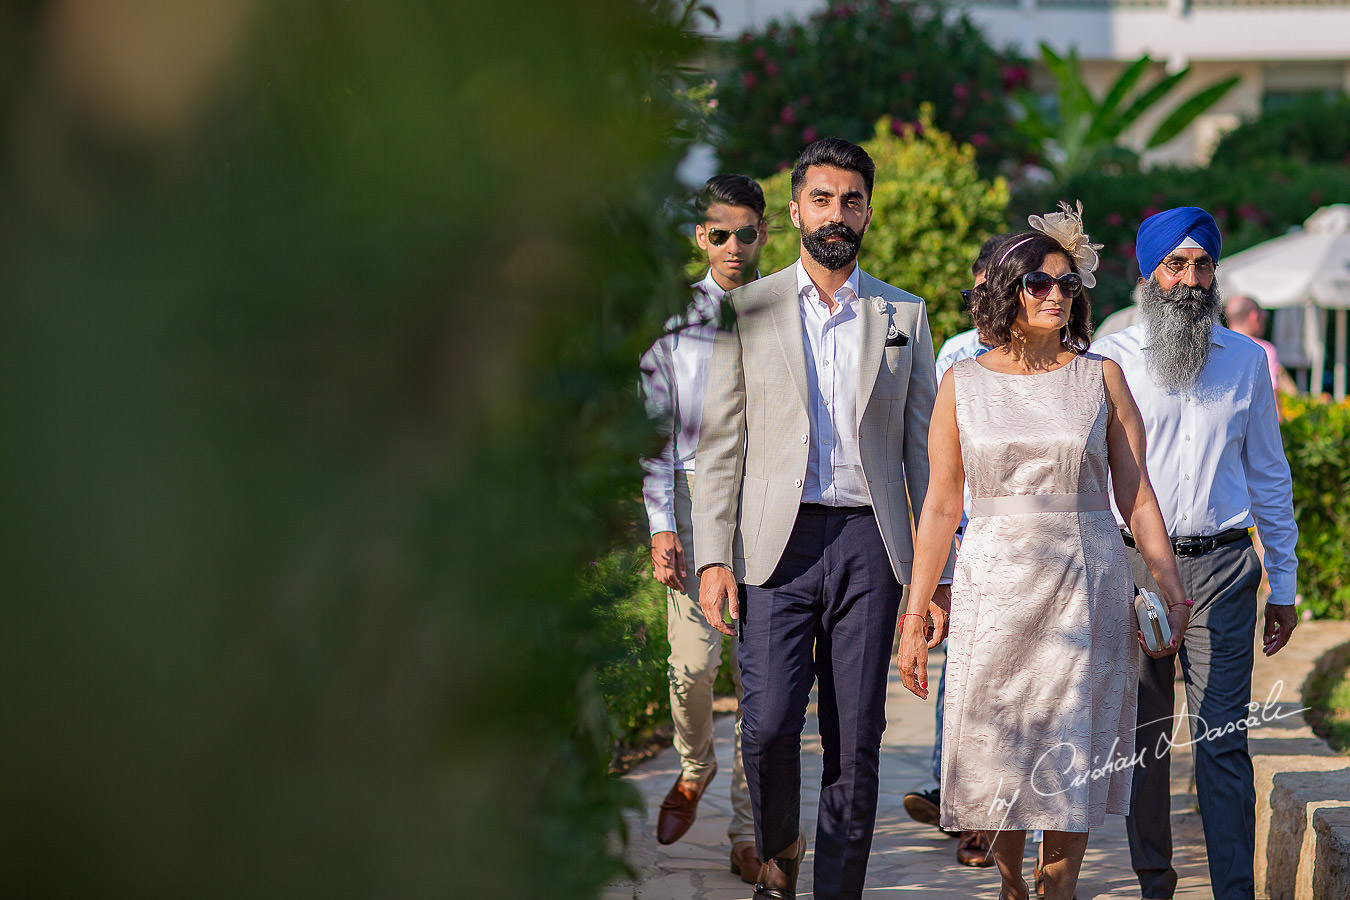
x=1039, y=284
x=965, y=295
x=719, y=236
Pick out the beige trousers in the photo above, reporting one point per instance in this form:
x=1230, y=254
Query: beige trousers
x=695, y=653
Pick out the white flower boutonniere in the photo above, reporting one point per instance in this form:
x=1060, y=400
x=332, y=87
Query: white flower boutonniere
x=884, y=307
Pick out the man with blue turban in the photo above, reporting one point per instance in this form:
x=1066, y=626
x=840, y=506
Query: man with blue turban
x=1218, y=467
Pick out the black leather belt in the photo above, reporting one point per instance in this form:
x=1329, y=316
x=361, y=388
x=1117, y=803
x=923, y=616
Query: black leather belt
x=1196, y=546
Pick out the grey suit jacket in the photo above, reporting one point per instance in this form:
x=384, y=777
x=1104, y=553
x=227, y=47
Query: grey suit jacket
x=753, y=442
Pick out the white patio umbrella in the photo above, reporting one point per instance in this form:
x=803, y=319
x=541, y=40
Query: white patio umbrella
x=1308, y=269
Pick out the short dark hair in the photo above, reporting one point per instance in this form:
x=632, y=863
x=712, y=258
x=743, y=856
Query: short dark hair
x=994, y=304
x=733, y=190
x=837, y=152
x=987, y=251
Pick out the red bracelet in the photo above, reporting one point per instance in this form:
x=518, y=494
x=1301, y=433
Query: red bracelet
x=1188, y=602
x=920, y=615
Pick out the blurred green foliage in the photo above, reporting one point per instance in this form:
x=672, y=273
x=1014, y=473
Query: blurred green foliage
x=1251, y=203
x=931, y=211
x=836, y=73
x=1316, y=440
x=321, y=330
x=1081, y=132
x=1314, y=129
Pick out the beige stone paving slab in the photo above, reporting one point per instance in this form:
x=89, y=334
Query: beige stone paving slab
x=908, y=859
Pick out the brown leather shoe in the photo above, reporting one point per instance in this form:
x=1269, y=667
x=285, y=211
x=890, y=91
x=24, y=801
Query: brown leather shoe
x=745, y=861
x=679, y=809
x=778, y=876
x=974, y=850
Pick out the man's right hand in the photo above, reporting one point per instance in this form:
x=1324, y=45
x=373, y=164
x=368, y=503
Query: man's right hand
x=668, y=560
x=716, y=591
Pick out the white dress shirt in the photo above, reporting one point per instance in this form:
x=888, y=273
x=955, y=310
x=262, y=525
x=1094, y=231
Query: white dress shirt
x=962, y=346
x=834, y=473
x=1215, y=457
x=674, y=380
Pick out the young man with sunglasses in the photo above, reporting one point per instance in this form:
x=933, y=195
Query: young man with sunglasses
x=1217, y=463
x=731, y=231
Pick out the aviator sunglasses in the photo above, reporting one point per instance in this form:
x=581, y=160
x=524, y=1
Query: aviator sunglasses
x=719, y=236
x=1039, y=284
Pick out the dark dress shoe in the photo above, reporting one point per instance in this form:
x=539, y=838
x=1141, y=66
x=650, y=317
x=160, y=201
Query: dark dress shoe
x=926, y=807
x=679, y=809
x=745, y=861
x=778, y=876
x=974, y=850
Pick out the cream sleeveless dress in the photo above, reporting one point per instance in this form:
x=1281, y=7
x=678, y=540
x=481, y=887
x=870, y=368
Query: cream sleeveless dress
x=1041, y=659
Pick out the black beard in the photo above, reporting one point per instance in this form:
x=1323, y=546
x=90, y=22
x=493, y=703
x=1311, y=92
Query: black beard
x=833, y=255
x=1180, y=322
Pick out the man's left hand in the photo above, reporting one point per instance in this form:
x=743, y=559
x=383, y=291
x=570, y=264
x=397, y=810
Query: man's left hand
x=939, y=610
x=1280, y=622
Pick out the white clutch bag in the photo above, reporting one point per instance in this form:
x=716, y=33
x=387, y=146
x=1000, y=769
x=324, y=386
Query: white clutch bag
x=1152, y=615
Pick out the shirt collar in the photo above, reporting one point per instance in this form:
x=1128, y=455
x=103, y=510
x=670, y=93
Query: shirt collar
x=804, y=281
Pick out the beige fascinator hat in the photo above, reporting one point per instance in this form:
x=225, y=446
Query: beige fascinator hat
x=1066, y=227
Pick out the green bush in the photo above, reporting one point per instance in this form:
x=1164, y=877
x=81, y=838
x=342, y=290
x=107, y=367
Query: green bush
x=319, y=396
x=1251, y=204
x=931, y=211
x=1317, y=443
x=632, y=609
x=1315, y=129
x=852, y=63
x=634, y=678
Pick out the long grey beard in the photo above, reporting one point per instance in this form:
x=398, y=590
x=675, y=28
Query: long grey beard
x=1180, y=322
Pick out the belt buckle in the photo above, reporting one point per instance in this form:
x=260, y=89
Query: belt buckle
x=1189, y=546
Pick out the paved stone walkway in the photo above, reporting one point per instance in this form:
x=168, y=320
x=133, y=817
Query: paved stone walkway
x=908, y=859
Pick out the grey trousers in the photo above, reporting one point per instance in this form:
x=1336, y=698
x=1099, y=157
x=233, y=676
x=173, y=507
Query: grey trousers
x=695, y=653
x=1216, y=661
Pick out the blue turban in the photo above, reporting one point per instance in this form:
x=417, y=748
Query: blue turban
x=1160, y=234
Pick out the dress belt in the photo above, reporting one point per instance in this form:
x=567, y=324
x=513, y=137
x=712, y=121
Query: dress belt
x=1025, y=504
x=1197, y=545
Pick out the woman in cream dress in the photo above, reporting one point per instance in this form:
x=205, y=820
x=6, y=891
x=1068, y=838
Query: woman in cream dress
x=1042, y=665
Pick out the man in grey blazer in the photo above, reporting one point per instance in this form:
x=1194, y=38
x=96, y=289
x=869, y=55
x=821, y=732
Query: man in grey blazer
x=813, y=456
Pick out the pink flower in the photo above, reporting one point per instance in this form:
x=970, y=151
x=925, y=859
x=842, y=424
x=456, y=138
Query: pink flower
x=979, y=139
x=1013, y=77
x=748, y=81
x=760, y=54
x=788, y=115
x=960, y=91
x=1149, y=211
x=783, y=166
x=898, y=128
x=771, y=69
x=1114, y=219
x=809, y=135
x=906, y=76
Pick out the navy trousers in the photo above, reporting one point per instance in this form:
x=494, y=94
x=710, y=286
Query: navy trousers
x=1216, y=662
x=827, y=614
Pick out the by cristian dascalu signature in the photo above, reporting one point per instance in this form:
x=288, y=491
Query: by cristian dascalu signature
x=1258, y=714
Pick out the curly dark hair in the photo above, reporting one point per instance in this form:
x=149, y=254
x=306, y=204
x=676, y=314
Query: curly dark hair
x=994, y=304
